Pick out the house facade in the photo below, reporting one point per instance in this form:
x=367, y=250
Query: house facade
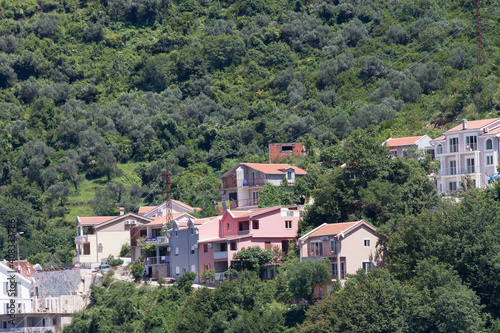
x=221, y=238
x=100, y=236
x=400, y=146
x=348, y=246
x=469, y=150
x=15, y=293
x=242, y=184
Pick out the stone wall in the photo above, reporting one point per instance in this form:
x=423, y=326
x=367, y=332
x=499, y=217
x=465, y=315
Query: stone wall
x=276, y=150
x=57, y=283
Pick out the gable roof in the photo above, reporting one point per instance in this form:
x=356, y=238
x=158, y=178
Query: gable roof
x=238, y=214
x=162, y=220
x=7, y=270
x=145, y=209
x=439, y=138
x=99, y=221
x=473, y=124
x=336, y=228
x=405, y=141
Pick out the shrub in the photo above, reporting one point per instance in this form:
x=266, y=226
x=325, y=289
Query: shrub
x=46, y=26
x=137, y=269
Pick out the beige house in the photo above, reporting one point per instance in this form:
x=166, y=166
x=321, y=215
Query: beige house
x=349, y=246
x=100, y=236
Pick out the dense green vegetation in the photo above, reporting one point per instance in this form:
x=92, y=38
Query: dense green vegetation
x=97, y=96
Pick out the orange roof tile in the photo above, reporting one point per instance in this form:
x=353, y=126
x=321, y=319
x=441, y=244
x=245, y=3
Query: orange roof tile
x=248, y=213
x=94, y=219
x=406, y=141
x=473, y=124
x=274, y=168
x=180, y=203
x=332, y=229
x=145, y=209
x=439, y=138
x=27, y=269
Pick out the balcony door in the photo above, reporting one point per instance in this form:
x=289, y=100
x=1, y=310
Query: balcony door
x=453, y=167
x=255, y=198
x=471, y=143
x=453, y=145
x=470, y=165
x=335, y=270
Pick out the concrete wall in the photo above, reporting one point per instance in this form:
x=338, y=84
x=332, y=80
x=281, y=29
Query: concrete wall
x=184, y=259
x=57, y=283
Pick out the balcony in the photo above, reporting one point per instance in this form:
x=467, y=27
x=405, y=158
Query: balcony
x=81, y=239
x=220, y=255
x=460, y=149
x=243, y=203
x=460, y=171
x=157, y=260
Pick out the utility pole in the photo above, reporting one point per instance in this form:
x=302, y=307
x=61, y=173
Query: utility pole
x=168, y=204
x=479, y=35
x=18, y=236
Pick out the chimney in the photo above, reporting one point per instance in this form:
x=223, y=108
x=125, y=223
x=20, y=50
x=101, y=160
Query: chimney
x=122, y=210
x=464, y=124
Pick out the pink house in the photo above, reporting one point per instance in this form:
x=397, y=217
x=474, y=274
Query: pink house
x=221, y=238
x=349, y=246
x=469, y=149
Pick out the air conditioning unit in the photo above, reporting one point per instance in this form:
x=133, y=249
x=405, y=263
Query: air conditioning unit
x=210, y=245
x=133, y=222
x=127, y=222
x=100, y=245
x=196, y=231
x=324, y=238
x=195, y=246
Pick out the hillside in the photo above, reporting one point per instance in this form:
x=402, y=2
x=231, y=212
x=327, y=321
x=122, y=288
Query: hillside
x=96, y=96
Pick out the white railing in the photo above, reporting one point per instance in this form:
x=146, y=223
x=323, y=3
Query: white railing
x=81, y=239
x=157, y=260
x=28, y=329
x=220, y=255
x=460, y=171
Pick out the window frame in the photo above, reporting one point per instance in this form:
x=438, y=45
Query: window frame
x=367, y=242
x=439, y=149
x=316, y=248
x=288, y=224
x=489, y=158
x=455, y=145
x=486, y=144
x=369, y=265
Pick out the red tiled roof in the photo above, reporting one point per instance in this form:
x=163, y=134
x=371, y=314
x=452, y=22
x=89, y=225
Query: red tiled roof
x=94, y=219
x=248, y=213
x=439, y=138
x=180, y=203
x=145, y=209
x=274, y=168
x=406, y=141
x=161, y=220
x=27, y=269
x=332, y=229
x=473, y=124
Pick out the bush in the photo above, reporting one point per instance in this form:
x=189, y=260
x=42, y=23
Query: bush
x=137, y=270
x=125, y=250
x=114, y=262
x=46, y=26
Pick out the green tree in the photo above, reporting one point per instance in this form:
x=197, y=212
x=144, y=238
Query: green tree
x=251, y=259
x=304, y=277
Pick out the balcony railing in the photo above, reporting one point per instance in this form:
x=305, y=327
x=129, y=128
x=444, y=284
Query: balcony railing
x=460, y=171
x=220, y=255
x=461, y=149
x=81, y=239
x=322, y=254
x=159, y=239
x=28, y=329
x=243, y=203
x=157, y=260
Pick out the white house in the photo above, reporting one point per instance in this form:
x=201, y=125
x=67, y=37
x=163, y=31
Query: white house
x=15, y=294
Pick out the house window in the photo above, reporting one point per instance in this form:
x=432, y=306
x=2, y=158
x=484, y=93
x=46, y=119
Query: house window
x=205, y=247
x=143, y=233
x=223, y=247
x=453, y=145
x=470, y=165
x=453, y=186
x=192, y=249
x=289, y=175
x=489, y=144
x=229, y=227
x=183, y=270
x=471, y=143
x=177, y=270
x=175, y=233
x=288, y=224
x=439, y=149
x=240, y=226
x=332, y=246
x=155, y=233
x=316, y=248
x=255, y=224
x=233, y=246
x=206, y=267
x=489, y=159
x=286, y=149
x=367, y=265
x=453, y=167
x=335, y=271
x=267, y=245
x=193, y=268
x=191, y=231
x=176, y=251
x=366, y=241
